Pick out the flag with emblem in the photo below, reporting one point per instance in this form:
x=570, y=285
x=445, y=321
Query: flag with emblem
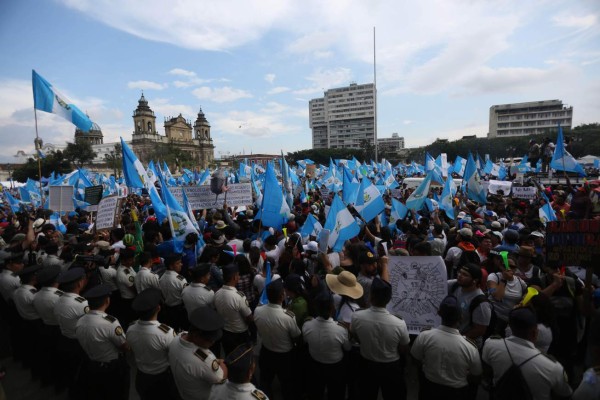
x=417, y=198
x=341, y=224
x=133, y=170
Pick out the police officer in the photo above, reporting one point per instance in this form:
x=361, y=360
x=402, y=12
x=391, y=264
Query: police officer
x=327, y=341
x=278, y=331
x=126, y=284
x=150, y=340
x=197, y=294
x=544, y=375
x=234, y=308
x=383, y=341
x=9, y=282
x=450, y=361
x=146, y=278
x=30, y=322
x=171, y=285
x=44, y=302
x=68, y=309
x=240, y=368
x=195, y=368
x=106, y=373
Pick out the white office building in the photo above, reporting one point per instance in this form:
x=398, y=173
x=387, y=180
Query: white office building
x=532, y=118
x=344, y=117
x=390, y=145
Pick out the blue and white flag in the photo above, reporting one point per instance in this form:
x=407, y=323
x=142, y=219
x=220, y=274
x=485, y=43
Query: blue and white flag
x=57, y=222
x=399, y=212
x=475, y=190
x=459, y=165
x=133, y=170
x=369, y=202
x=311, y=227
x=562, y=160
x=341, y=224
x=179, y=221
x=447, y=201
x=350, y=187
x=274, y=211
x=14, y=204
x=417, y=198
x=47, y=98
x=263, y=296
x=546, y=212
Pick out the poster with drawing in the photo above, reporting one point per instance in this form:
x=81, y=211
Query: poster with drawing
x=419, y=285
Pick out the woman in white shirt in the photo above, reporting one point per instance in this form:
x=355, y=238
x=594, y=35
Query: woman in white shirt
x=505, y=291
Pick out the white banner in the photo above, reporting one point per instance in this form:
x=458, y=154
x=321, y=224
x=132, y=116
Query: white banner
x=61, y=198
x=419, y=284
x=527, y=193
x=107, y=210
x=494, y=186
x=200, y=197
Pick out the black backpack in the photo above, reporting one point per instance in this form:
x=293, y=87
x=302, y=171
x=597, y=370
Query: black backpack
x=477, y=300
x=512, y=385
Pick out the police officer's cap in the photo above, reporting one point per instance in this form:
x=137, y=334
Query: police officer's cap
x=48, y=274
x=449, y=307
x=126, y=254
x=147, y=300
x=200, y=270
x=230, y=269
x=240, y=359
x=208, y=322
x=294, y=283
x=172, y=258
x=98, y=292
x=30, y=270
x=522, y=318
x=71, y=275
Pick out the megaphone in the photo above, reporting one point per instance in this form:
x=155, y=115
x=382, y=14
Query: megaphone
x=531, y=291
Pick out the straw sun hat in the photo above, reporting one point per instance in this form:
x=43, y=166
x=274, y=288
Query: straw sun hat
x=344, y=284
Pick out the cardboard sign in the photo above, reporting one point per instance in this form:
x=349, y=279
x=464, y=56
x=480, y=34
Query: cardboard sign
x=61, y=198
x=93, y=194
x=107, y=213
x=575, y=242
x=200, y=197
x=521, y=192
x=419, y=284
x=494, y=186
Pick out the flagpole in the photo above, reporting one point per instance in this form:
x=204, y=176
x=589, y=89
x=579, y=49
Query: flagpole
x=39, y=158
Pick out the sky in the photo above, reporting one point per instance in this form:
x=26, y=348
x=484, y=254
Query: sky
x=252, y=66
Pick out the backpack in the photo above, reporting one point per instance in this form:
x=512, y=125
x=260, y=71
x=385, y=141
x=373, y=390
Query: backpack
x=512, y=384
x=469, y=257
x=477, y=300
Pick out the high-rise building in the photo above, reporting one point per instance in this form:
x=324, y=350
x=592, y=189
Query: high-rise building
x=390, y=145
x=535, y=117
x=344, y=117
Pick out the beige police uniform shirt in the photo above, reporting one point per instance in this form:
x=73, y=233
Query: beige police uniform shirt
x=9, y=282
x=145, y=279
x=126, y=282
x=197, y=295
x=233, y=306
x=277, y=327
x=544, y=375
x=447, y=356
x=68, y=309
x=44, y=302
x=171, y=285
x=150, y=341
x=23, y=298
x=327, y=340
x=380, y=334
x=194, y=369
x=100, y=335
x=237, y=391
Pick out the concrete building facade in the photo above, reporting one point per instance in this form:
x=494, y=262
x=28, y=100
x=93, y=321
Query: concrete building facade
x=531, y=118
x=390, y=145
x=344, y=117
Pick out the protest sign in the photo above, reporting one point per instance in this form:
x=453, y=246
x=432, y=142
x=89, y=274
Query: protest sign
x=524, y=192
x=419, y=284
x=575, y=242
x=324, y=192
x=200, y=197
x=107, y=211
x=397, y=193
x=494, y=186
x=61, y=198
x=93, y=194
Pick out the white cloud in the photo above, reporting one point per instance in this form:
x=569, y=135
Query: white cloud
x=577, y=22
x=163, y=106
x=323, y=79
x=252, y=124
x=278, y=90
x=220, y=95
x=270, y=78
x=146, y=85
x=182, y=72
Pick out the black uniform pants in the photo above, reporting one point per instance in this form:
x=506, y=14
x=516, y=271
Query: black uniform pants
x=106, y=380
x=387, y=376
x=326, y=376
x=231, y=340
x=278, y=365
x=176, y=317
x=431, y=390
x=71, y=357
x=155, y=387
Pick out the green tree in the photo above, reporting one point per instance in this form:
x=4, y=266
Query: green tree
x=53, y=162
x=114, y=160
x=79, y=153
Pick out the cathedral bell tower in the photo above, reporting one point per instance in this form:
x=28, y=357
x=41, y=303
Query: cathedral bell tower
x=202, y=134
x=144, y=119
